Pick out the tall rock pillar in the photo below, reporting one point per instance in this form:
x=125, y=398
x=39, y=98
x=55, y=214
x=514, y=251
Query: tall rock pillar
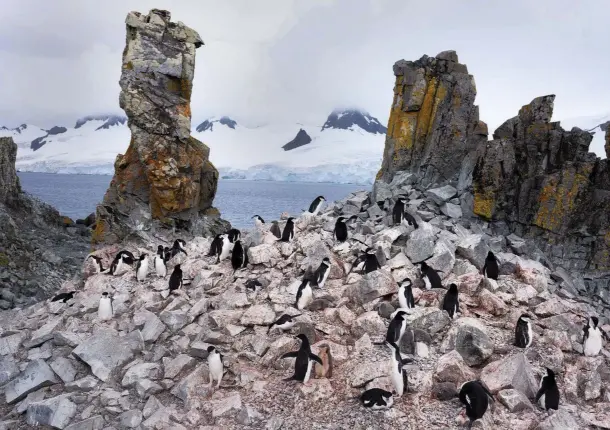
x=165, y=178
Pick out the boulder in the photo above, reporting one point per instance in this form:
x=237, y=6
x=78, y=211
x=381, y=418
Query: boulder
x=130, y=419
x=474, y=249
x=469, y=337
x=258, y=315
x=64, y=369
x=442, y=194
x=432, y=322
x=8, y=369
x=141, y=371
x=55, y=412
x=560, y=420
x=36, y=375
x=451, y=210
x=420, y=245
x=263, y=254
x=372, y=285
x=511, y=372
x=452, y=368
x=514, y=400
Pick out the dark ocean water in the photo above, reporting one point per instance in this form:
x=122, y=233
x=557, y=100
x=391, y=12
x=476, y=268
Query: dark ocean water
x=77, y=195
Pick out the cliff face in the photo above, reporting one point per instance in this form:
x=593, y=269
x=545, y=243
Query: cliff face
x=165, y=178
x=533, y=179
x=433, y=122
x=9, y=182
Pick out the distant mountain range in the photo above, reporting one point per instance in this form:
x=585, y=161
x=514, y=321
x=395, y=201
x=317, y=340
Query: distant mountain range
x=347, y=147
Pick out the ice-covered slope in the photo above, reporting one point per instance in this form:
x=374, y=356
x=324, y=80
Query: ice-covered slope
x=23, y=135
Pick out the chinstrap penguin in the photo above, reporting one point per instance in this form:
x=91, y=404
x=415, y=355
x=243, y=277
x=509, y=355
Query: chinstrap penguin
x=490, y=269
x=591, y=338
x=216, y=246
x=142, y=268
x=99, y=266
x=322, y=272
x=258, y=220
x=64, y=297
x=398, y=374
x=451, y=302
x=304, y=294
x=275, y=229
x=376, y=398
x=316, y=205
x=239, y=257
x=397, y=327
x=178, y=247
x=283, y=323
x=523, y=331
x=548, y=394
x=430, y=276
x=340, y=232
x=121, y=262
x=288, y=233
x=475, y=396
x=304, y=361
x=366, y=262
x=104, y=311
x=160, y=263
x=233, y=235
x=252, y=284
x=175, y=279
x=398, y=213
x=215, y=366
x=405, y=294
x=226, y=246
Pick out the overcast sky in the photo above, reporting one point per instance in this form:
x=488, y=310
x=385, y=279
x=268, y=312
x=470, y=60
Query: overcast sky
x=272, y=60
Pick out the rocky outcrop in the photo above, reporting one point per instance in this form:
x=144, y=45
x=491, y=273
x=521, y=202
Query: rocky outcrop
x=301, y=139
x=9, y=182
x=165, y=178
x=434, y=123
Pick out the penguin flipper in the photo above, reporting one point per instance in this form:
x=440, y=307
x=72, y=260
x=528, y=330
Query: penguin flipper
x=292, y=354
x=314, y=357
x=407, y=360
x=540, y=393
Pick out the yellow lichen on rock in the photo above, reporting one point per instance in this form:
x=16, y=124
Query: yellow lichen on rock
x=483, y=204
x=425, y=114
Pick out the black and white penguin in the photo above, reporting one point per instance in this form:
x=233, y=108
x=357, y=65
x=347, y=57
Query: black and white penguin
x=64, y=297
x=142, y=268
x=104, y=311
x=288, y=233
x=523, y=331
x=398, y=374
x=367, y=262
x=160, y=263
x=178, y=247
x=405, y=295
x=275, y=229
x=226, y=246
x=233, y=235
x=316, y=205
x=215, y=366
x=430, y=276
x=167, y=254
x=283, y=323
x=258, y=220
x=475, y=396
x=252, y=284
x=340, y=231
x=216, y=246
x=376, y=398
x=323, y=271
x=121, y=262
x=548, y=394
x=99, y=266
x=304, y=361
x=490, y=269
x=304, y=294
x=451, y=302
x=398, y=213
x=175, y=279
x=239, y=257
x=397, y=327
x=409, y=220
x=591, y=338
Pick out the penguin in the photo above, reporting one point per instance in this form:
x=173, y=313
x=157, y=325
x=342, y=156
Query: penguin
x=160, y=263
x=592, y=338
x=225, y=248
x=142, y=268
x=398, y=374
x=120, y=262
x=239, y=257
x=548, y=394
x=409, y=220
x=398, y=213
x=283, y=323
x=233, y=235
x=216, y=246
x=366, y=262
x=397, y=327
x=430, y=276
x=104, y=311
x=128, y=257
x=258, y=221
x=288, y=233
x=304, y=361
x=490, y=269
x=275, y=229
x=215, y=366
x=523, y=331
x=316, y=205
x=326, y=369
x=167, y=254
x=304, y=294
x=99, y=267
x=252, y=284
x=405, y=295
x=64, y=297
x=178, y=247
x=475, y=396
x=451, y=302
x=340, y=231
x=323, y=271
x=376, y=398
x=175, y=280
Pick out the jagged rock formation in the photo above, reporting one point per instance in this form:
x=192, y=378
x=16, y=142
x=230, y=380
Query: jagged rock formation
x=146, y=368
x=39, y=142
x=165, y=178
x=347, y=119
x=433, y=123
x=301, y=139
x=208, y=124
x=534, y=179
x=37, y=252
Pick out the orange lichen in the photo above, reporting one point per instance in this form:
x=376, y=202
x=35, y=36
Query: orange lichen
x=483, y=203
x=425, y=116
x=99, y=232
x=184, y=109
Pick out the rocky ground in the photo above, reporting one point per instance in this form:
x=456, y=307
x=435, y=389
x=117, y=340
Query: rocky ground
x=146, y=368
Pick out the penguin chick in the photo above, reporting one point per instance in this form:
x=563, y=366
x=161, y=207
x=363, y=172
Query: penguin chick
x=325, y=370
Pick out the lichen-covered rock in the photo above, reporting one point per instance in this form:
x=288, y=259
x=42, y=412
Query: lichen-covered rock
x=165, y=178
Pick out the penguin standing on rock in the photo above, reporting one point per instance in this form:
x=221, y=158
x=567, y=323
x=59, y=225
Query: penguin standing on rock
x=398, y=213
x=366, y=262
x=398, y=374
x=215, y=366
x=323, y=271
x=376, y=398
x=304, y=294
x=523, y=331
x=340, y=231
x=316, y=205
x=160, y=263
x=178, y=247
x=475, y=396
x=397, y=328
x=490, y=269
x=142, y=268
x=233, y=235
x=304, y=361
x=430, y=276
x=275, y=229
x=104, y=311
x=451, y=303
x=239, y=257
x=99, y=267
x=592, y=338
x=175, y=280
x=225, y=246
x=405, y=294
x=258, y=220
x=548, y=394
x=283, y=323
x=121, y=262
x=288, y=233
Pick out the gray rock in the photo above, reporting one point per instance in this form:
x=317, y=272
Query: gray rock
x=64, y=369
x=36, y=375
x=141, y=371
x=560, y=420
x=372, y=285
x=55, y=412
x=420, y=245
x=131, y=419
x=432, y=322
x=511, y=372
x=258, y=315
x=444, y=391
x=474, y=249
x=174, y=320
x=8, y=369
x=515, y=400
x=192, y=384
x=442, y=194
x=452, y=368
x=153, y=327
x=93, y=423
x=104, y=351
x=88, y=383
x=443, y=258
x=368, y=322
x=44, y=333
x=469, y=337
x=263, y=254
x=451, y=210
x=10, y=344
x=227, y=406
x=172, y=367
